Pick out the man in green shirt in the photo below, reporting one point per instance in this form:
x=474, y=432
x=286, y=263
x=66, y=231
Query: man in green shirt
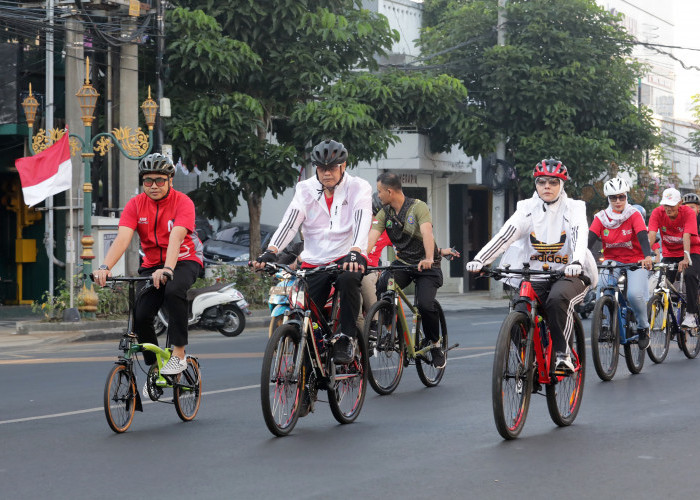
x=409, y=225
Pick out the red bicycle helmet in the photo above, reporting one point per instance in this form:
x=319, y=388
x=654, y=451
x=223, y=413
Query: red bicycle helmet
x=551, y=168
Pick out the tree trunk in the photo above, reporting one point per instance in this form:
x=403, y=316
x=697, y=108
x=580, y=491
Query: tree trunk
x=254, y=209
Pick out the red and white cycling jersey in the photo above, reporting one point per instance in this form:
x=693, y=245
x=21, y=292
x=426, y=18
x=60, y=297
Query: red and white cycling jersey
x=671, y=230
x=154, y=220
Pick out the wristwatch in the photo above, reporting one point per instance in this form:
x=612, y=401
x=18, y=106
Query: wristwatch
x=104, y=267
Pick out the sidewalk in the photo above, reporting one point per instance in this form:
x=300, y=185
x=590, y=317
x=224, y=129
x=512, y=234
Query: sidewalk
x=19, y=327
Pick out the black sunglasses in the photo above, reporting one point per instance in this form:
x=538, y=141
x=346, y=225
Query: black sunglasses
x=160, y=181
x=617, y=197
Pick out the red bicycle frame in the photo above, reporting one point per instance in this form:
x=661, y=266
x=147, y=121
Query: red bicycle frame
x=543, y=354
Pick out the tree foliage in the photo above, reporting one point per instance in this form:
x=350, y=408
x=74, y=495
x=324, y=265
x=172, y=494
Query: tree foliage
x=562, y=86
x=256, y=83
x=695, y=136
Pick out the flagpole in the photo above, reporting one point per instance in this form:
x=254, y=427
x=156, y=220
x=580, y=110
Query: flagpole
x=49, y=125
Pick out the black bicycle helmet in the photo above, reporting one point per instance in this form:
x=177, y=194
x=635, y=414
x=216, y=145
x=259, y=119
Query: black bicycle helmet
x=329, y=153
x=377, y=204
x=551, y=168
x=156, y=163
x=691, y=198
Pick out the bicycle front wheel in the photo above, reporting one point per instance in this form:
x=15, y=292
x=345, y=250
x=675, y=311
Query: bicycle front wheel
x=187, y=391
x=427, y=373
x=120, y=398
x=280, y=390
x=347, y=393
x=564, y=397
x=659, y=337
x=634, y=356
x=511, y=379
x=689, y=342
x=605, y=341
x=385, y=348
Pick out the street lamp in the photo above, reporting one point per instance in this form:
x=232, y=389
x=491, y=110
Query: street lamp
x=132, y=144
x=30, y=106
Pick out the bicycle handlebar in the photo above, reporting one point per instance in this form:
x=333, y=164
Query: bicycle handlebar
x=123, y=278
x=631, y=267
x=498, y=273
x=272, y=268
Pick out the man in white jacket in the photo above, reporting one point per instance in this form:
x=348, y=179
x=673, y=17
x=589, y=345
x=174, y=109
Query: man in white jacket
x=549, y=228
x=334, y=211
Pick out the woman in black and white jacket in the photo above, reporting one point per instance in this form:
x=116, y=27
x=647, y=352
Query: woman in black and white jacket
x=549, y=228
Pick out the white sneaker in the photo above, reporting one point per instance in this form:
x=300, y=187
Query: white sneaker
x=564, y=363
x=145, y=390
x=174, y=366
x=689, y=321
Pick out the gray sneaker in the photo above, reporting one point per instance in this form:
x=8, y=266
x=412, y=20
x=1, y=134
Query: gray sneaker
x=174, y=366
x=643, y=341
x=343, y=349
x=563, y=363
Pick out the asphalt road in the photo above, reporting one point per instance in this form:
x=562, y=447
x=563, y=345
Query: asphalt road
x=635, y=437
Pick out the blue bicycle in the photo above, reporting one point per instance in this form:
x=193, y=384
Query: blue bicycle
x=615, y=324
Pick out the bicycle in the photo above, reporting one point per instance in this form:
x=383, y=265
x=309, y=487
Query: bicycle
x=666, y=309
x=524, y=360
x=614, y=323
x=298, y=361
x=121, y=399
x=392, y=345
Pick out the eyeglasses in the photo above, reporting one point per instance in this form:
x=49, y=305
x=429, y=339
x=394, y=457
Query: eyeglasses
x=160, y=181
x=541, y=181
x=617, y=197
x=323, y=168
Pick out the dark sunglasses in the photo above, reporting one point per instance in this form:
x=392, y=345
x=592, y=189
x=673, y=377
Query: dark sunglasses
x=541, y=181
x=617, y=197
x=148, y=181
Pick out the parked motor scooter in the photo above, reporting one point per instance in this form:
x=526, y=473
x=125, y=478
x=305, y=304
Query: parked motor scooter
x=217, y=307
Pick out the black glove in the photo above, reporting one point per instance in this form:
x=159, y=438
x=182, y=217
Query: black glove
x=354, y=256
x=267, y=256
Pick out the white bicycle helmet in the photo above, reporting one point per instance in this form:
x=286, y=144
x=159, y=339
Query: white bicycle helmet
x=616, y=185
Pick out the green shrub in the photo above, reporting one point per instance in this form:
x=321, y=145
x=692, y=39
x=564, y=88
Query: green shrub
x=255, y=287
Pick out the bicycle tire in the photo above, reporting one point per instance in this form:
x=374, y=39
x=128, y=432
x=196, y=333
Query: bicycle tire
x=605, y=341
x=347, y=393
x=689, y=341
x=634, y=356
x=659, y=337
x=564, y=398
x=280, y=407
x=386, y=358
x=427, y=373
x=120, y=398
x=512, y=375
x=187, y=391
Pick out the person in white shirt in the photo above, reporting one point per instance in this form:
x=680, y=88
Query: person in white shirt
x=549, y=228
x=334, y=211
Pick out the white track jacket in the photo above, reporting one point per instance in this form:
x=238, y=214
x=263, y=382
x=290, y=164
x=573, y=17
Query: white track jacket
x=327, y=236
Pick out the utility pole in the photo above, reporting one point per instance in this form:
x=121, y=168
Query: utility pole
x=160, y=20
x=49, y=231
x=498, y=203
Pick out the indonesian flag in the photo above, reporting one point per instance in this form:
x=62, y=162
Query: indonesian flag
x=47, y=173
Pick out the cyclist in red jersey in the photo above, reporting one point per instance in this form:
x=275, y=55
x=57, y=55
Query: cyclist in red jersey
x=164, y=221
x=680, y=244
x=623, y=232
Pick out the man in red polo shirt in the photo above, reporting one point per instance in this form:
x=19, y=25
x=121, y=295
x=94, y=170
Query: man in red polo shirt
x=680, y=244
x=164, y=221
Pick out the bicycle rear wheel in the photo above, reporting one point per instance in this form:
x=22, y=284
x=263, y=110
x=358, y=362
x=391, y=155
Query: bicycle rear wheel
x=511, y=379
x=187, y=391
x=385, y=348
x=659, y=337
x=564, y=397
x=280, y=391
x=347, y=393
x=120, y=398
x=427, y=373
x=634, y=356
x=605, y=342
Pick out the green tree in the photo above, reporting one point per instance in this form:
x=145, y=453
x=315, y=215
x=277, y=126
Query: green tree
x=254, y=84
x=695, y=136
x=563, y=85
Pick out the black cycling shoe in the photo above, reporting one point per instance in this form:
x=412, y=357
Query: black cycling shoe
x=643, y=341
x=343, y=349
x=439, y=359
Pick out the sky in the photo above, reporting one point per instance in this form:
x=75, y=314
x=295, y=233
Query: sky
x=687, y=34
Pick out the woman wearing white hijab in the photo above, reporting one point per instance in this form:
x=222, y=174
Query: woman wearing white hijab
x=623, y=232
